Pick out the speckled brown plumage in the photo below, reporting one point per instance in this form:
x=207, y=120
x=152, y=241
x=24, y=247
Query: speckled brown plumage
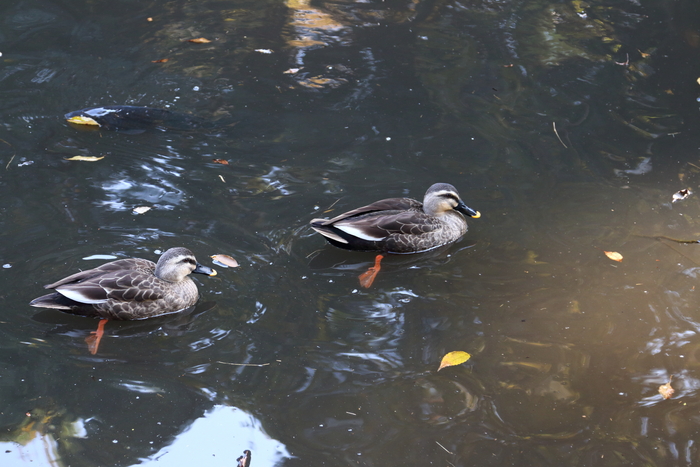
x=129, y=289
x=400, y=225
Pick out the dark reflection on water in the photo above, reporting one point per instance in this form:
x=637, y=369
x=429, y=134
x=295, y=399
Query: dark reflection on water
x=568, y=125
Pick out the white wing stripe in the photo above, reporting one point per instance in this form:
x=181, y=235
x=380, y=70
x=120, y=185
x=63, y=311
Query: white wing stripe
x=79, y=297
x=359, y=233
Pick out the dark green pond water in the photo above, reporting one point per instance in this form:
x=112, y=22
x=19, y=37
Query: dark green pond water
x=569, y=125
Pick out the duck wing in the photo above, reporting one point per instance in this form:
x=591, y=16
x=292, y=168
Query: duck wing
x=384, y=205
x=130, y=264
x=380, y=226
x=131, y=286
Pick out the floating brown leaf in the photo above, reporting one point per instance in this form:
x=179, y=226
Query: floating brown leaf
x=162, y=60
x=666, y=390
x=613, y=255
x=225, y=261
x=85, y=158
x=200, y=40
x=454, y=358
x=220, y=161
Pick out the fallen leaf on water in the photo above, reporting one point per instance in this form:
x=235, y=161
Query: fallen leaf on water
x=162, y=60
x=142, y=209
x=200, y=40
x=613, y=255
x=681, y=195
x=85, y=158
x=149, y=19
x=225, y=261
x=454, y=358
x=220, y=161
x=291, y=71
x=666, y=390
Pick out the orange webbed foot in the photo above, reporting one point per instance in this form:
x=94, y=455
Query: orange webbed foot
x=367, y=277
x=93, y=340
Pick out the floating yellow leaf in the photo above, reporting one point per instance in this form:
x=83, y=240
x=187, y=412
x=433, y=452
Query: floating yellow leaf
x=200, y=40
x=666, y=390
x=81, y=120
x=85, y=158
x=613, y=255
x=225, y=261
x=454, y=358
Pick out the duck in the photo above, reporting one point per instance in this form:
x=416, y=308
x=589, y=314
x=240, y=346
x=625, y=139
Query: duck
x=128, y=289
x=400, y=225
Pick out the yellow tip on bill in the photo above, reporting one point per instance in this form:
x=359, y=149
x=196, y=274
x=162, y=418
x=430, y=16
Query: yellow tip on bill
x=477, y=215
x=213, y=273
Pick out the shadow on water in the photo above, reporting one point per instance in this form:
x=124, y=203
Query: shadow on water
x=569, y=125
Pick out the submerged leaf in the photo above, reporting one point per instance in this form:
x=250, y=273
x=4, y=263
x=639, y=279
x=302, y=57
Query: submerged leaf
x=85, y=158
x=613, y=255
x=225, y=261
x=454, y=358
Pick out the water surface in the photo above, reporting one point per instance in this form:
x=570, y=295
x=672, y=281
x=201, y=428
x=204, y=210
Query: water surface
x=568, y=125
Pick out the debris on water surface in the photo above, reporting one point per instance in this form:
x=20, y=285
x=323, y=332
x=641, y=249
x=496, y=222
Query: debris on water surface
x=666, y=390
x=681, y=195
x=224, y=261
x=85, y=158
x=613, y=255
x=454, y=358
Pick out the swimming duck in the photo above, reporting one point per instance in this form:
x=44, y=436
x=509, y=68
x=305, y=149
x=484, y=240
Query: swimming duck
x=128, y=289
x=400, y=225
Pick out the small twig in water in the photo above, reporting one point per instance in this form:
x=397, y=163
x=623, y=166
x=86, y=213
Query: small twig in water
x=443, y=447
x=8, y=164
x=5, y=142
x=554, y=125
x=331, y=206
x=243, y=364
x=625, y=63
x=664, y=237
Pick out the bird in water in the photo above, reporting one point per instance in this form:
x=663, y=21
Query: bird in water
x=399, y=225
x=128, y=289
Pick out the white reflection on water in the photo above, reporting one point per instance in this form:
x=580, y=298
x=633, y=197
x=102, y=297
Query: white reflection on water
x=218, y=439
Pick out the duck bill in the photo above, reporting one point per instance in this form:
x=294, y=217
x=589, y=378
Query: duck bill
x=206, y=270
x=467, y=211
